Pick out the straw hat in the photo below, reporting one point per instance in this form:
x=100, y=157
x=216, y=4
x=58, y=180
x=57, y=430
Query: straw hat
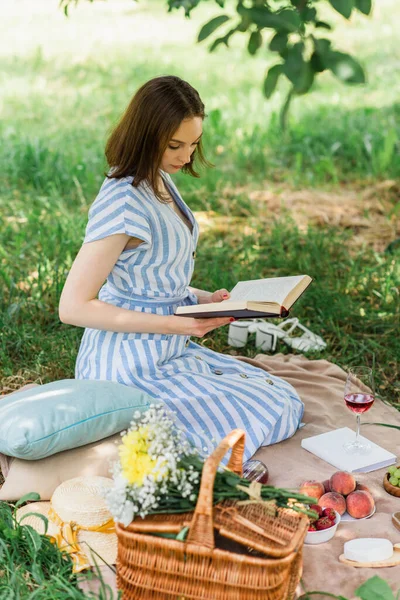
x=79, y=521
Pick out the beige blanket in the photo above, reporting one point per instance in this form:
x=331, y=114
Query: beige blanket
x=320, y=385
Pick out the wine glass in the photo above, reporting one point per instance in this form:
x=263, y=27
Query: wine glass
x=359, y=396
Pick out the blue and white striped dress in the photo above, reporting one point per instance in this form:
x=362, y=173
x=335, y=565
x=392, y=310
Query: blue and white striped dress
x=210, y=393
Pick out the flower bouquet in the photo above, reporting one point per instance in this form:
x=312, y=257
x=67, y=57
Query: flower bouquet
x=159, y=471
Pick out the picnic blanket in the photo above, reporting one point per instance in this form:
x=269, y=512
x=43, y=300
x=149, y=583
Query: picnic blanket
x=320, y=385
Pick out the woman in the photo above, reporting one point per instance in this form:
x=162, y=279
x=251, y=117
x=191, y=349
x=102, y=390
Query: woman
x=141, y=237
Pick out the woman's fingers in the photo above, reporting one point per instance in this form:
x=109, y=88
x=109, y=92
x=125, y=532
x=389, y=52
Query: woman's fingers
x=206, y=325
x=220, y=295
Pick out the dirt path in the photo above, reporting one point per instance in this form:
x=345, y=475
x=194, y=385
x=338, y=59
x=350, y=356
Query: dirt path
x=372, y=213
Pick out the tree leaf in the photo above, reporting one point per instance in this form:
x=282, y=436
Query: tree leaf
x=285, y=20
x=309, y=14
x=305, y=81
x=364, y=6
x=279, y=42
x=255, y=42
x=345, y=67
x=222, y=40
x=375, y=588
x=344, y=7
x=294, y=63
x=271, y=80
x=211, y=26
x=318, y=66
x=323, y=25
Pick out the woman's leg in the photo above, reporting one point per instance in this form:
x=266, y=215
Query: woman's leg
x=24, y=387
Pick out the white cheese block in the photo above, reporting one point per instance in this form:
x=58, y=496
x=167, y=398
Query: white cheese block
x=368, y=549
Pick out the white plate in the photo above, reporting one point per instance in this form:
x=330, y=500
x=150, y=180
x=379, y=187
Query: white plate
x=347, y=517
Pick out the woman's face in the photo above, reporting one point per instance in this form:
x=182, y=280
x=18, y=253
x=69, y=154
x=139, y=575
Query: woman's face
x=182, y=145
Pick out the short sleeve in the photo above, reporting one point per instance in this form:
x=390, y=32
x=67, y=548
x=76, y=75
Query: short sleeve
x=118, y=208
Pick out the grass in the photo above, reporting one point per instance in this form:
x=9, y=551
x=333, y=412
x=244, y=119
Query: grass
x=31, y=566
x=59, y=96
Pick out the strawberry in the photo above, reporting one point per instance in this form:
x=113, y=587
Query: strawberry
x=323, y=523
x=312, y=527
x=330, y=513
x=318, y=509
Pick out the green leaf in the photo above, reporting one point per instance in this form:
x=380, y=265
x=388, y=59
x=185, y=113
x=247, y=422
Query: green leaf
x=306, y=80
x=279, y=42
x=33, y=538
x=364, y=6
x=323, y=25
x=309, y=14
x=211, y=26
x=320, y=58
x=182, y=534
x=375, y=589
x=271, y=80
x=383, y=425
x=318, y=66
x=345, y=67
x=344, y=7
x=286, y=20
x=294, y=63
x=222, y=40
x=39, y=516
x=255, y=42
x=32, y=496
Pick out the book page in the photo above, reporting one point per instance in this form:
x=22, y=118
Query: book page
x=275, y=289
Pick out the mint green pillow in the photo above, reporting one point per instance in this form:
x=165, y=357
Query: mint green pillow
x=65, y=414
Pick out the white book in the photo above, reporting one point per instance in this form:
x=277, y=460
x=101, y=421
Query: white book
x=329, y=447
x=271, y=297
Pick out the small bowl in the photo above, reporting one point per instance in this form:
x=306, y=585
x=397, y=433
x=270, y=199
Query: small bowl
x=393, y=490
x=319, y=537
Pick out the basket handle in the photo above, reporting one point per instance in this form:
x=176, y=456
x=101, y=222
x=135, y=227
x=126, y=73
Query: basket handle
x=201, y=531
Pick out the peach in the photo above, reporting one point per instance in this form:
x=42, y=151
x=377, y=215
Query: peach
x=359, y=504
x=342, y=483
x=327, y=486
x=333, y=500
x=360, y=487
x=312, y=488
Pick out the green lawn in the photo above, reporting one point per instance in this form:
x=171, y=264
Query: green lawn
x=64, y=83
x=62, y=91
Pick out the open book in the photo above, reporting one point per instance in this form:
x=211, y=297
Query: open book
x=255, y=298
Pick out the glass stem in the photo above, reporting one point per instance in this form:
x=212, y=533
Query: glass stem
x=358, y=429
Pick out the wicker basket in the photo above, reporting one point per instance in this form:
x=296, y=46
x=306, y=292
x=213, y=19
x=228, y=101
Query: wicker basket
x=157, y=568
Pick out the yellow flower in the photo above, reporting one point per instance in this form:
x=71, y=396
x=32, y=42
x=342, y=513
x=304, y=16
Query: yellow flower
x=134, y=458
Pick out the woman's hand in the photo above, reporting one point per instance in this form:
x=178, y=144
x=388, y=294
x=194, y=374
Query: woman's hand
x=204, y=297
x=220, y=295
x=196, y=327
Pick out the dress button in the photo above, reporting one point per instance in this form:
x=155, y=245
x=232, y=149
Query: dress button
x=218, y=372
x=194, y=254
x=198, y=357
x=269, y=381
x=187, y=342
x=244, y=375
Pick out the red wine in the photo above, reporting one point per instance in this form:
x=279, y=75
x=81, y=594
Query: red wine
x=255, y=470
x=359, y=403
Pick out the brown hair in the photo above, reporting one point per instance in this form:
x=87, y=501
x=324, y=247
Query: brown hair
x=137, y=144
